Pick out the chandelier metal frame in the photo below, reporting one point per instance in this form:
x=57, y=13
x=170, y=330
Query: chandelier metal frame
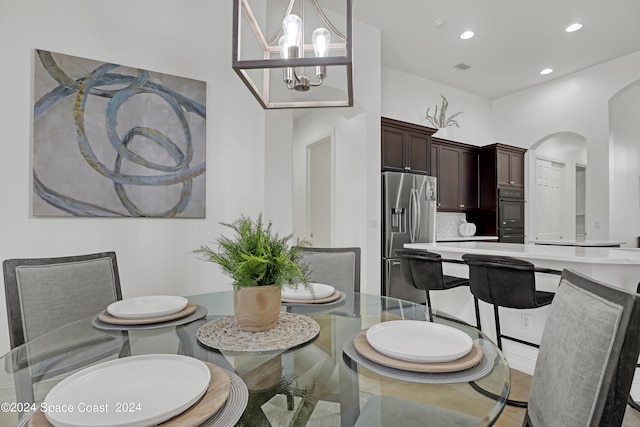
x=272, y=57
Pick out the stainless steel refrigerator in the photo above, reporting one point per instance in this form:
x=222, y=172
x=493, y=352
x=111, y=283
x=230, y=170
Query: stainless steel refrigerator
x=408, y=216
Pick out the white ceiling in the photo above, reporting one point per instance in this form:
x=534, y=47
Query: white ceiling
x=514, y=40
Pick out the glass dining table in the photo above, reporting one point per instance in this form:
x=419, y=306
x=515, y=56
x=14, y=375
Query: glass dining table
x=321, y=382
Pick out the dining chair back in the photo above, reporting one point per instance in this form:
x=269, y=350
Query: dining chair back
x=587, y=357
x=632, y=402
x=423, y=270
x=338, y=267
x=45, y=293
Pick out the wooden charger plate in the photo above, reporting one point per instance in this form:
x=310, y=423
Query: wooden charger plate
x=470, y=360
x=107, y=318
x=334, y=296
x=208, y=405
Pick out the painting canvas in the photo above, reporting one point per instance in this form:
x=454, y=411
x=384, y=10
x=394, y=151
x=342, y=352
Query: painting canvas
x=116, y=141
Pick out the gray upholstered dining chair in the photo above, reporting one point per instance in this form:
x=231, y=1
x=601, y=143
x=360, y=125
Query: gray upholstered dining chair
x=46, y=293
x=588, y=354
x=338, y=267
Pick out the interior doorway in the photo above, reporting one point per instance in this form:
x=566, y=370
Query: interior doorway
x=550, y=192
x=581, y=195
x=320, y=193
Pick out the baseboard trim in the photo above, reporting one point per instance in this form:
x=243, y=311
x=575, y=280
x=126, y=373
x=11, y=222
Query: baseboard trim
x=520, y=360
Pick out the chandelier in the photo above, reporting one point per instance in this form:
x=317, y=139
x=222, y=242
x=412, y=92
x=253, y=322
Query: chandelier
x=305, y=62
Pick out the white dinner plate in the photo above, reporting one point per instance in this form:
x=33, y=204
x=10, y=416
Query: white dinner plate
x=419, y=341
x=135, y=391
x=302, y=293
x=147, y=307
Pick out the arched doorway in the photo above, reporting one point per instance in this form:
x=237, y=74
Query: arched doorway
x=558, y=188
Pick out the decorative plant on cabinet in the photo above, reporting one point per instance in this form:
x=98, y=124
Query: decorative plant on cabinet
x=439, y=117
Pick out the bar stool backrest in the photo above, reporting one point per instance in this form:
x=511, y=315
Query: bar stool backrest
x=421, y=269
x=502, y=281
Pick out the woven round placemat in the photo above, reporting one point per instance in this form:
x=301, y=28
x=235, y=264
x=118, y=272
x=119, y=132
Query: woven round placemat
x=233, y=409
x=480, y=370
x=291, y=330
x=199, y=313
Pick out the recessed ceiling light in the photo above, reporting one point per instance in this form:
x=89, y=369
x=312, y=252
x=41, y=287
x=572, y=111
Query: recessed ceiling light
x=467, y=35
x=546, y=71
x=439, y=22
x=573, y=27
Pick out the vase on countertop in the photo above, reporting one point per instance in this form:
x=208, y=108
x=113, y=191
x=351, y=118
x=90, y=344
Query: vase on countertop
x=466, y=229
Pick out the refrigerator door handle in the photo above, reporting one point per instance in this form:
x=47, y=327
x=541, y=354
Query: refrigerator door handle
x=419, y=215
x=410, y=216
x=414, y=218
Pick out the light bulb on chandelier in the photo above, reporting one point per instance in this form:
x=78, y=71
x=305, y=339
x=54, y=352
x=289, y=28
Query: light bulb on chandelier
x=289, y=45
x=286, y=57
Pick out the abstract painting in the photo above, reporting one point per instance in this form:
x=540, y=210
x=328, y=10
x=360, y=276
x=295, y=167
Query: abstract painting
x=116, y=141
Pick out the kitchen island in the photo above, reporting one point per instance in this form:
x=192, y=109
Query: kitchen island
x=615, y=266
x=584, y=243
x=467, y=239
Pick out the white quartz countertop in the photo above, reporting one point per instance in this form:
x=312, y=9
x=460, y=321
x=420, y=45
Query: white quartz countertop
x=530, y=251
x=586, y=243
x=465, y=239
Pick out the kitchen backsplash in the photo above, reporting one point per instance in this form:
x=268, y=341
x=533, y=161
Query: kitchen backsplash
x=447, y=224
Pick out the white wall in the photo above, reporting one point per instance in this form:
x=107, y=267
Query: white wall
x=167, y=36
x=625, y=160
x=356, y=138
x=578, y=103
x=278, y=174
x=406, y=97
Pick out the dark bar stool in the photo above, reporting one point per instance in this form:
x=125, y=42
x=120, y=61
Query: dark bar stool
x=423, y=270
x=506, y=282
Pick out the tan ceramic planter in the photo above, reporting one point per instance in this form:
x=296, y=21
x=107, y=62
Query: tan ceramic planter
x=258, y=308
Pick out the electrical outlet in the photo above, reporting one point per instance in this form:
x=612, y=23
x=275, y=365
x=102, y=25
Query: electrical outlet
x=525, y=321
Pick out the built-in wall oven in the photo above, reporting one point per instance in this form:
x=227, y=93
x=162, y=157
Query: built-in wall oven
x=511, y=215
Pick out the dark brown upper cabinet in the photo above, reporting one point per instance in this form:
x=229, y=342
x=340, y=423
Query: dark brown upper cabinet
x=456, y=167
x=406, y=147
x=468, y=176
x=500, y=166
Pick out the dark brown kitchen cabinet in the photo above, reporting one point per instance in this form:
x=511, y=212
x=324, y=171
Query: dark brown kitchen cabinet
x=500, y=166
x=510, y=167
x=406, y=147
x=456, y=167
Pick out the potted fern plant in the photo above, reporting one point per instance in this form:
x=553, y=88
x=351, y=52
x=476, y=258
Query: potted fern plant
x=260, y=263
